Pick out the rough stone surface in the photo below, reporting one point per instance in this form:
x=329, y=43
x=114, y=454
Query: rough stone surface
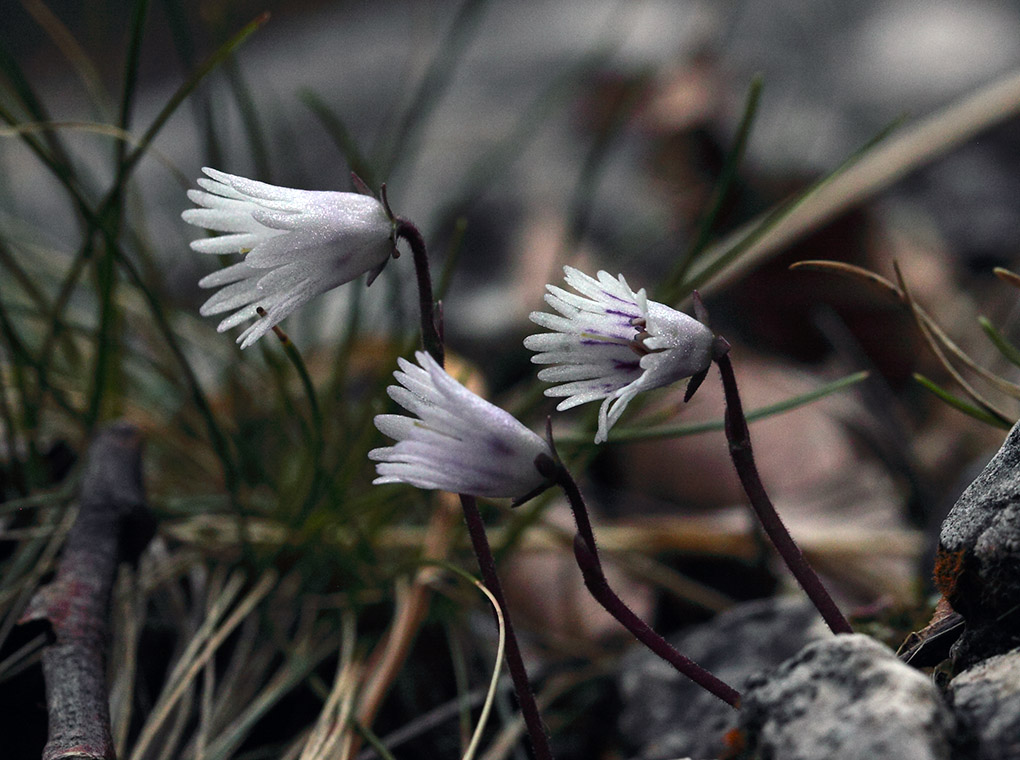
x=978, y=562
x=986, y=700
x=667, y=716
x=844, y=698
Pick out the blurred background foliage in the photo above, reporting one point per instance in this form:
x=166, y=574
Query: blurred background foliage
x=690, y=144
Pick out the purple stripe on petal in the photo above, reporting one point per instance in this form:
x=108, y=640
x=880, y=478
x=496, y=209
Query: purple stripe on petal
x=615, y=298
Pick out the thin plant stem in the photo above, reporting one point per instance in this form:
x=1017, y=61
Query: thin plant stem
x=433, y=342
x=586, y=553
x=430, y=336
x=739, y=440
x=514, y=660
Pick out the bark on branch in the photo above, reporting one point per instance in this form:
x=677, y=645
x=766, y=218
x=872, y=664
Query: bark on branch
x=112, y=525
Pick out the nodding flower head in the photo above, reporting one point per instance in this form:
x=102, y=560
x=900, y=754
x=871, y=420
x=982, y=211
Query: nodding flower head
x=611, y=343
x=456, y=441
x=296, y=245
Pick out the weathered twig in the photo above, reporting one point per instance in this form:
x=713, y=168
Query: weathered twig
x=112, y=525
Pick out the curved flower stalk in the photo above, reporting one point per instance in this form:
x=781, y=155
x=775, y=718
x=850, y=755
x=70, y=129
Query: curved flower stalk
x=297, y=244
x=611, y=343
x=456, y=441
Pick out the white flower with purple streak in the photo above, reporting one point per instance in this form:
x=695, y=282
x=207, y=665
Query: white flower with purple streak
x=611, y=343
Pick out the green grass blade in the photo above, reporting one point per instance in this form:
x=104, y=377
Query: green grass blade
x=722, y=190
x=134, y=51
x=373, y=740
x=913, y=147
x=1010, y=352
x=184, y=43
x=631, y=435
x=189, y=85
x=337, y=130
x=453, y=251
x=582, y=197
x=402, y=144
x=488, y=169
x=762, y=227
x=958, y=403
x=71, y=49
x=18, y=476
x=249, y=118
x=22, y=89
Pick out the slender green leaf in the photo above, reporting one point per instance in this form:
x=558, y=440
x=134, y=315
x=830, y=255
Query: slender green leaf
x=189, y=86
x=402, y=144
x=630, y=435
x=723, y=187
x=771, y=219
x=492, y=166
x=177, y=20
x=582, y=197
x=964, y=406
x=33, y=106
x=337, y=129
x=1007, y=349
x=134, y=52
x=253, y=129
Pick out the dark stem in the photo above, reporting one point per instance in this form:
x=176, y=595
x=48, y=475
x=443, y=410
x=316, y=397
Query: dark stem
x=514, y=660
x=599, y=587
x=112, y=525
x=595, y=579
x=743, y=459
x=431, y=340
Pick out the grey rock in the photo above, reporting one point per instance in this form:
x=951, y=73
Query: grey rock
x=845, y=698
x=978, y=562
x=986, y=700
x=667, y=716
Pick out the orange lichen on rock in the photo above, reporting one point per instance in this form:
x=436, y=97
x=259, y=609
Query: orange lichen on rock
x=735, y=742
x=948, y=567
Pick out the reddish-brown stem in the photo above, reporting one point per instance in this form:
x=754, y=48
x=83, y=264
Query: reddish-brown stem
x=76, y=603
x=514, y=660
x=432, y=341
x=586, y=553
x=739, y=440
x=599, y=587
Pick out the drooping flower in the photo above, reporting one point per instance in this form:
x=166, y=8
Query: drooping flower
x=456, y=441
x=611, y=343
x=297, y=244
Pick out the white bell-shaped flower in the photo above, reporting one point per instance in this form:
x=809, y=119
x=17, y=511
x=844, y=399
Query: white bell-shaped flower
x=456, y=441
x=611, y=343
x=296, y=245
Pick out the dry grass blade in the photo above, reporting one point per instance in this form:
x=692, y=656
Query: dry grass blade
x=513, y=731
x=128, y=613
x=71, y=50
x=193, y=660
x=483, y=719
x=687, y=534
x=96, y=128
x=925, y=320
x=306, y=657
x=933, y=344
x=1011, y=278
x=411, y=610
x=881, y=167
x=26, y=655
x=332, y=725
x=15, y=593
